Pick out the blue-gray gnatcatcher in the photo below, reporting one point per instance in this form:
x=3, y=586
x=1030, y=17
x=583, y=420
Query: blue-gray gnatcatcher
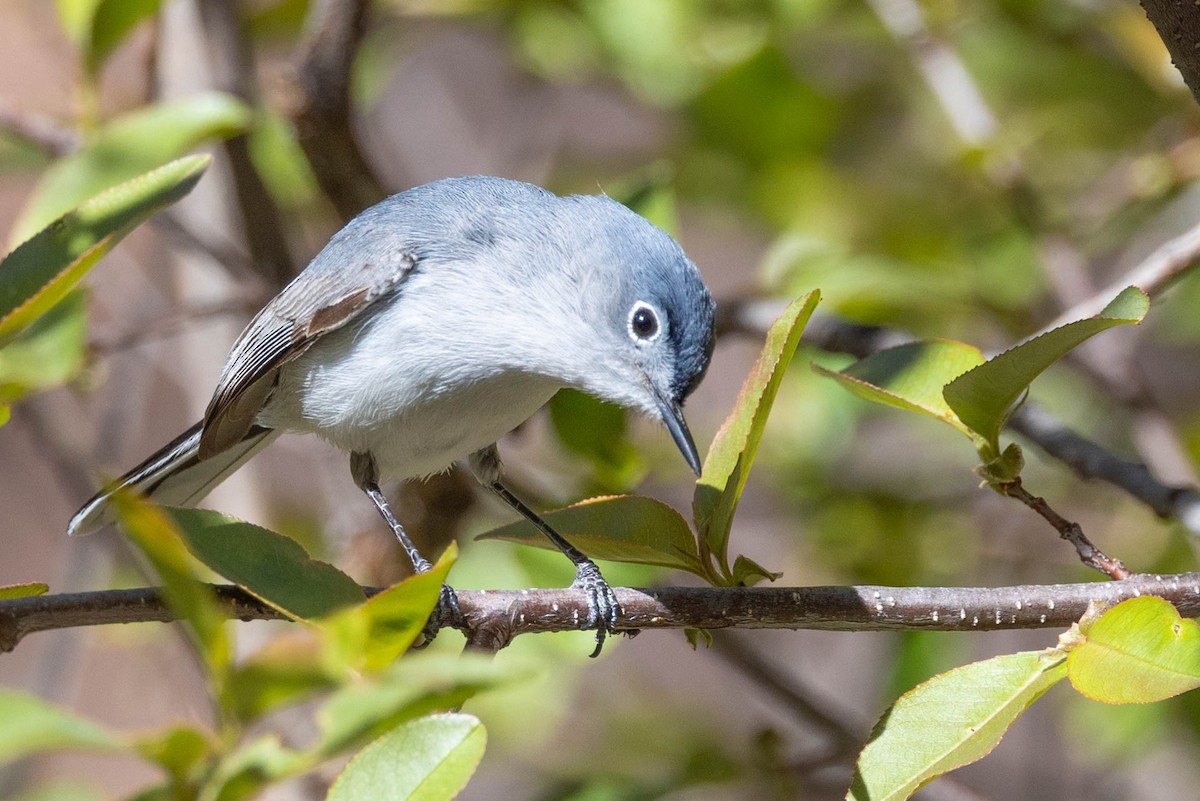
x=436, y=322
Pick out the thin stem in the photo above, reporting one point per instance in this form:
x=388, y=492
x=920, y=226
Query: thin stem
x=1091, y=556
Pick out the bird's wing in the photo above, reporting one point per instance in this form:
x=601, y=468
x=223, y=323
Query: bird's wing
x=318, y=302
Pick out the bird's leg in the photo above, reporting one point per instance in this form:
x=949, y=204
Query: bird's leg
x=366, y=476
x=603, y=608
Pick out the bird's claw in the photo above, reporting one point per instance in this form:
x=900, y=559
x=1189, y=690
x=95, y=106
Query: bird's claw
x=603, y=608
x=445, y=615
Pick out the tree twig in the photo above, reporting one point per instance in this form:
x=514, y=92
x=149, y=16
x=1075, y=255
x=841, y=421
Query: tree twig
x=233, y=63
x=324, y=123
x=1178, y=25
x=495, y=617
x=1169, y=262
x=1090, y=460
x=41, y=131
x=1089, y=554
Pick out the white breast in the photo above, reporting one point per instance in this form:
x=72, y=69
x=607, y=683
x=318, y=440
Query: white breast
x=417, y=385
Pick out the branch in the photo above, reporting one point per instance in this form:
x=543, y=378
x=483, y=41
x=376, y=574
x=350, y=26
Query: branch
x=1089, y=554
x=232, y=62
x=38, y=130
x=1089, y=460
x=495, y=617
x=324, y=123
x=1168, y=263
x=1178, y=25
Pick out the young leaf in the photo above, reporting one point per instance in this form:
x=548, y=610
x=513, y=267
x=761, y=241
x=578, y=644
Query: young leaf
x=270, y=566
x=911, y=376
x=156, y=536
x=624, y=528
x=181, y=751
x=31, y=725
x=127, y=147
x=28, y=590
x=111, y=22
x=747, y=572
x=986, y=396
x=75, y=17
x=41, y=271
x=370, y=636
x=48, y=353
x=430, y=759
x=251, y=767
x=731, y=454
x=286, y=669
x=597, y=431
x=409, y=688
x=1139, y=651
x=950, y=721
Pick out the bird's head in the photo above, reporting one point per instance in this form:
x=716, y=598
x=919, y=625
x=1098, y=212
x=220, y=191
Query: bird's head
x=651, y=314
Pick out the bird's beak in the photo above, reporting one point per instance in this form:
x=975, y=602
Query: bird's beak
x=672, y=415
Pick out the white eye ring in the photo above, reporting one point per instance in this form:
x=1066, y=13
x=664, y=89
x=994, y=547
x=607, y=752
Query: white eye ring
x=643, y=323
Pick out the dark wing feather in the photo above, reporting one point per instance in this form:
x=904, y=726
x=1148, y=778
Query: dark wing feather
x=314, y=304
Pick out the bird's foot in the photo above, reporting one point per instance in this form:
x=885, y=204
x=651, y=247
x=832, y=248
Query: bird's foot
x=603, y=607
x=445, y=615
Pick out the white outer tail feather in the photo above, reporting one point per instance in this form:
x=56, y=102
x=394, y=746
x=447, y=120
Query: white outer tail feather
x=173, y=476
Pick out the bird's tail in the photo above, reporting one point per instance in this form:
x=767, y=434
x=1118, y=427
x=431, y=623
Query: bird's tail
x=174, y=476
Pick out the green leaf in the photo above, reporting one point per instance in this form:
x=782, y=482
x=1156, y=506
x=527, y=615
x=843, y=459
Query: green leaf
x=1004, y=468
x=986, y=396
x=5, y=414
x=623, y=528
x=949, y=721
x=182, y=751
x=430, y=759
x=747, y=572
x=251, y=767
x=76, y=16
x=270, y=566
x=1139, y=651
x=284, y=670
x=27, y=590
x=411, y=687
x=153, y=532
x=597, y=431
x=41, y=271
x=48, y=353
x=111, y=22
x=911, y=376
x=731, y=454
x=370, y=636
x=31, y=725
x=127, y=147
x=281, y=162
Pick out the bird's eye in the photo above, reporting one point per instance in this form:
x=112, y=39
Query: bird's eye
x=643, y=322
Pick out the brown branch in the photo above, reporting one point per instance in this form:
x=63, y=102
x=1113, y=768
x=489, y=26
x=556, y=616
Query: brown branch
x=1178, y=25
x=41, y=131
x=232, y=62
x=1089, y=554
x=495, y=617
x=1090, y=460
x=324, y=122
x=1156, y=273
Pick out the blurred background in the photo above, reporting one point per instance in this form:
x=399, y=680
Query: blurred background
x=951, y=168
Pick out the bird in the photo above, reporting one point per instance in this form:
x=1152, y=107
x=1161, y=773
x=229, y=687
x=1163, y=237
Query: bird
x=434, y=323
